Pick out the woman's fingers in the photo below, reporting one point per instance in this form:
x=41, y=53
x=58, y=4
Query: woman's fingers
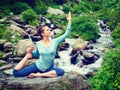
x=69, y=16
x=30, y=49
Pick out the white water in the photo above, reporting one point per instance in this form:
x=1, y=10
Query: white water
x=102, y=43
x=64, y=61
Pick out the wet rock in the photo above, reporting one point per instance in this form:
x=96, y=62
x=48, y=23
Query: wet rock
x=55, y=11
x=73, y=81
x=73, y=59
x=87, y=54
x=57, y=55
x=22, y=45
x=79, y=44
x=64, y=46
x=89, y=74
x=73, y=52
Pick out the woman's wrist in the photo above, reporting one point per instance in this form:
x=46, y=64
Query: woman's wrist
x=69, y=21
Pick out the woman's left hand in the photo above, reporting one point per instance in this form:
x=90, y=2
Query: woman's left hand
x=68, y=17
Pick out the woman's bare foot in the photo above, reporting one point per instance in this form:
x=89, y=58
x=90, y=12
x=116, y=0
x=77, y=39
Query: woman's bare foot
x=33, y=75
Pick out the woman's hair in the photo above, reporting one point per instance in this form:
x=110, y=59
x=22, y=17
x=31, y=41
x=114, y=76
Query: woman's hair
x=40, y=30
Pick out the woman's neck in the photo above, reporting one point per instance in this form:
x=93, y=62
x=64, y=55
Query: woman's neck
x=46, y=39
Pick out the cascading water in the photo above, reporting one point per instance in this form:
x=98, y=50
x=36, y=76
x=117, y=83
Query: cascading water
x=103, y=42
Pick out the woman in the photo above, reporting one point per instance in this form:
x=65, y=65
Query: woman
x=46, y=50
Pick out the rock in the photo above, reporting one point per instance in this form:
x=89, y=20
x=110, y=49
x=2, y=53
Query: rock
x=17, y=30
x=79, y=44
x=15, y=59
x=73, y=59
x=73, y=81
x=58, y=31
x=8, y=66
x=8, y=72
x=7, y=55
x=87, y=54
x=6, y=50
x=73, y=52
x=55, y=11
x=2, y=42
x=22, y=45
x=2, y=62
x=63, y=46
x=8, y=45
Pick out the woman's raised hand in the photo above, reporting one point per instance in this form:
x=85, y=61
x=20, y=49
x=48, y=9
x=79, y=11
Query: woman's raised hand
x=68, y=17
x=30, y=49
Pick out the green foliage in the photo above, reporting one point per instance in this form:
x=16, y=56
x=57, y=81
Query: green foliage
x=114, y=17
x=108, y=77
x=59, y=1
x=82, y=7
x=107, y=3
x=4, y=33
x=66, y=8
x=41, y=7
x=19, y=7
x=85, y=27
x=116, y=36
x=29, y=16
x=1, y=54
x=57, y=19
x=4, y=11
x=8, y=34
x=41, y=10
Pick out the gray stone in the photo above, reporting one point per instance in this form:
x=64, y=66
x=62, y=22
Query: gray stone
x=7, y=55
x=55, y=11
x=8, y=66
x=87, y=54
x=22, y=45
x=73, y=81
x=79, y=44
x=8, y=72
x=8, y=45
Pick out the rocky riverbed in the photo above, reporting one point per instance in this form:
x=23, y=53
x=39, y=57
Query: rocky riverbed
x=79, y=58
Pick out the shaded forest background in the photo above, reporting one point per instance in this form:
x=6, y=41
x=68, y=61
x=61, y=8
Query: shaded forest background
x=85, y=14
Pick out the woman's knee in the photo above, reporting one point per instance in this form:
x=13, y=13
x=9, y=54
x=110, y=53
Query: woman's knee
x=60, y=72
x=15, y=73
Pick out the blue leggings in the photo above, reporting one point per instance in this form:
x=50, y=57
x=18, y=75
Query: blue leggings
x=33, y=69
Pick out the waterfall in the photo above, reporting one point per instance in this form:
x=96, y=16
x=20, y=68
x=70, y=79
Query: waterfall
x=103, y=42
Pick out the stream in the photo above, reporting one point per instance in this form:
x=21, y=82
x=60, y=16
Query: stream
x=101, y=44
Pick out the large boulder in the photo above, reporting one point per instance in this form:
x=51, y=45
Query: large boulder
x=17, y=30
x=22, y=45
x=79, y=44
x=73, y=81
x=55, y=11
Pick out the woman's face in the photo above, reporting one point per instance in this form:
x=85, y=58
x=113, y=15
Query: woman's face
x=47, y=32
